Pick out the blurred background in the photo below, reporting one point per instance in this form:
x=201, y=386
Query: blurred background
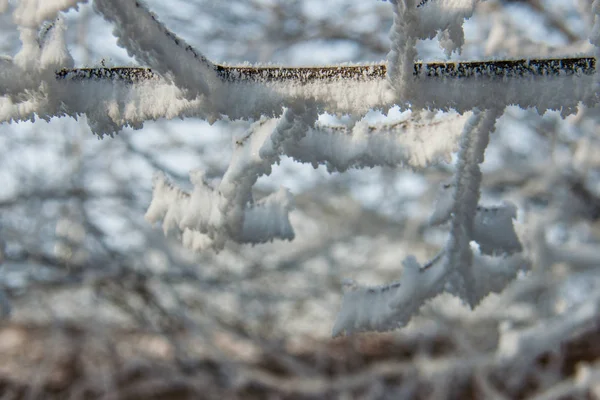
x=97, y=303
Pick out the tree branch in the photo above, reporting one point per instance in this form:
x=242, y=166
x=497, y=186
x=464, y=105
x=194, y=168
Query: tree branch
x=469, y=69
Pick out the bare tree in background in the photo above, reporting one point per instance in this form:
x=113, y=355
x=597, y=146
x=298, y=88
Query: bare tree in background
x=97, y=302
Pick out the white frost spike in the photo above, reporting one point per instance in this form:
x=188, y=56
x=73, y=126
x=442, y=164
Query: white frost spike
x=197, y=218
x=403, y=53
x=443, y=204
x=196, y=241
x=494, y=231
x=28, y=57
x=164, y=197
x=31, y=13
x=493, y=227
x=268, y=218
x=55, y=54
x=25, y=110
x=410, y=281
x=493, y=274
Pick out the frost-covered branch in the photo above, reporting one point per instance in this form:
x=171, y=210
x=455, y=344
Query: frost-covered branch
x=130, y=96
x=482, y=252
x=146, y=38
x=183, y=83
x=496, y=69
x=457, y=269
x=422, y=140
x=403, y=53
x=391, y=306
x=208, y=217
x=473, y=143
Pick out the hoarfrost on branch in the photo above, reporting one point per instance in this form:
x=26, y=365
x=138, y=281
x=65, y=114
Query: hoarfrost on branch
x=483, y=252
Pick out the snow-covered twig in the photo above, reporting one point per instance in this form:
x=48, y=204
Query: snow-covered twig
x=208, y=217
x=117, y=97
x=456, y=269
x=423, y=140
x=391, y=306
x=183, y=83
x=403, y=53
x=150, y=42
x=188, y=84
x=497, y=69
x=473, y=143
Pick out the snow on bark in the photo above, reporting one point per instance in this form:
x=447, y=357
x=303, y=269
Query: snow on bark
x=252, y=93
x=24, y=109
x=113, y=98
x=208, y=217
x=27, y=59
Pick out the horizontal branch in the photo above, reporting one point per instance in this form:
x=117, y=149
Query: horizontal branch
x=470, y=69
x=113, y=98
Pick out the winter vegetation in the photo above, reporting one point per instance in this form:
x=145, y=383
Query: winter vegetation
x=265, y=181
